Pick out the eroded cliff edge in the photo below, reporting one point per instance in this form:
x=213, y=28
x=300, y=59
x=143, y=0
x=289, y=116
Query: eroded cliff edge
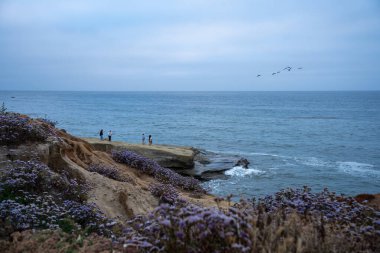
x=115, y=199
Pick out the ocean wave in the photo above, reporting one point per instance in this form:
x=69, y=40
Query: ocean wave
x=312, y=161
x=239, y=171
x=314, y=117
x=358, y=169
x=265, y=154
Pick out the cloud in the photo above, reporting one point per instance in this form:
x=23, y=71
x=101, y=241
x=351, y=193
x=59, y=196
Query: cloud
x=176, y=41
x=24, y=13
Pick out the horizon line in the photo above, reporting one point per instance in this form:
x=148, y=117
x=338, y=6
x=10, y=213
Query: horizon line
x=188, y=90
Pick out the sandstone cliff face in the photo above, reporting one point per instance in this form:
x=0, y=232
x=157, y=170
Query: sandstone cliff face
x=115, y=199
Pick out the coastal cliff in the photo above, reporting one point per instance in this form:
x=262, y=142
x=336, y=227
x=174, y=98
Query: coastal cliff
x=60, y=193
x=64, y=152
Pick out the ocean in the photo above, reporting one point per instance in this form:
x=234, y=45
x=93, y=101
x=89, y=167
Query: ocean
x=292, y=139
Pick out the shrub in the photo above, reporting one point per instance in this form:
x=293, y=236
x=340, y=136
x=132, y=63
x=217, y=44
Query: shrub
x=273, y=224
x=165, y=192
x=152, y=168
x=34, y=177
x=109, y=172
x=191, y=229
x=50, y=122
x=3, y=109
x=17, y=129
x=33, y=196
x=45, y=211
x=323, y=204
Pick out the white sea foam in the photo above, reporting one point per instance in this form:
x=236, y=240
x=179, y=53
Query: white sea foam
x=264, y=154
x=312, y=161
x=358, y=169
x=239, y=171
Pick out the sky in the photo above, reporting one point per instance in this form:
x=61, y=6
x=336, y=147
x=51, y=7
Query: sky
x=189, y=45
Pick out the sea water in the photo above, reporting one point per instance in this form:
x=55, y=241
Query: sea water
x=319, y=139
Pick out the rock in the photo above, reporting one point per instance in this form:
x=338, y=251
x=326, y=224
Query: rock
x=212, y=174
x=243, y=162
x=172, y=157
x=187, y=161
x=212, y=165
x=201, y=157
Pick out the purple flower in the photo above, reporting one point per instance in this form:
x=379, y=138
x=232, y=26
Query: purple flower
x=152, y=168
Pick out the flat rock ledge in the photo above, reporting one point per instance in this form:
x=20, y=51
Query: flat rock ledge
x=168, y=156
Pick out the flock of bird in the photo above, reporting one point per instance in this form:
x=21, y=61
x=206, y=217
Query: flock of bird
x=278, y=72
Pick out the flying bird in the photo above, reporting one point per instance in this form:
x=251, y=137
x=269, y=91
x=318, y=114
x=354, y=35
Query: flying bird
x=288, y=68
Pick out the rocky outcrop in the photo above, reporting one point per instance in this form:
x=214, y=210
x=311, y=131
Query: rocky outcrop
x=172, y=157
x=243, y=162
x=188, y=161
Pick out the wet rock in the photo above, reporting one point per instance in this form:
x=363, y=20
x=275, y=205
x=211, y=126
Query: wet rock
x=215, y=167
x=212, y=174
x=243, y=162
x=201, y=157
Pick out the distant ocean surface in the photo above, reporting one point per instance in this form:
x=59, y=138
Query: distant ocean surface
x=319, y=139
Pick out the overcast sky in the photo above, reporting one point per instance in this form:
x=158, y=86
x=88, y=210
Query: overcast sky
x=189, y=45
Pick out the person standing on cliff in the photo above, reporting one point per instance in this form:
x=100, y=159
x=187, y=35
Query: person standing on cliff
x=143, y=139
x=150, y=140
x=109, y=135
x=101, y=134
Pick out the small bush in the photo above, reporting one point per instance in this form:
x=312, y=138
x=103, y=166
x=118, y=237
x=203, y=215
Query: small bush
x=165, y=192
x=109, y=172
x=3, y=109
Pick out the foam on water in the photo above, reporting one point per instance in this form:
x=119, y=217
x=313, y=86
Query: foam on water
x=358, y=169
x=312, y=161
x=265, y=154
x=239, y=171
